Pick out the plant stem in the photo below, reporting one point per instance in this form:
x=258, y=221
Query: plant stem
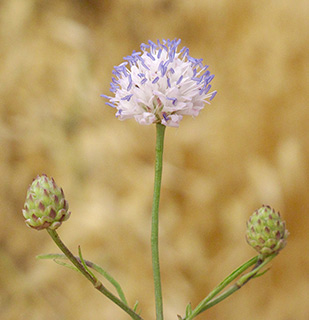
x=90, y=264
x=96, y=283
x=160, y=129
x=239, y=284
x=222, y=285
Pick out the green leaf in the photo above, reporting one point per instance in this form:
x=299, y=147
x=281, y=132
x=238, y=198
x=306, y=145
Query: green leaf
x=261, y=273
x=135, y=307
x=67, y=265
x=188, y=310
x=51, y=256
x=93, y=266
x=84, y=263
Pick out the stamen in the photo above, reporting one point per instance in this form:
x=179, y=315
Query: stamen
x=210, y=78
x=172, y=54
x=136, y=53
x=161, y=68
x=164, y=47
x=179, y=80
x=143, y=62
x=130, y=83
x=172, y=99
x=116, y=73
x=153, y=45
x=151, y=56
x=110, y=104
x=206, y=90
x=169, y=82
x=213, y=95
x=144, y=46
x=185, y=52
x=177, y=42
x=128, y=97
x=124, y=71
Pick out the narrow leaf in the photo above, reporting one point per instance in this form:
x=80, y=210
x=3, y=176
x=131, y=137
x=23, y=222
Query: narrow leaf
x=84, y=263
x=135, y=306
x=188, y=310
x=69, y=266
x=93, y=266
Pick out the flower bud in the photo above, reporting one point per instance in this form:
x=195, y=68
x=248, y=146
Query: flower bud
x=266, y=231
x=45, y=205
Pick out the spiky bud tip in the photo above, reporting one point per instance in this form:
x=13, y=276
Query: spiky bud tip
x=45, y=205
x=266, y=231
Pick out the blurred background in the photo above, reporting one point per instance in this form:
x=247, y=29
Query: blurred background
x=248, y=148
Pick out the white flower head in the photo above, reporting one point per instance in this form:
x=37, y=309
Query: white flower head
x=160, y=85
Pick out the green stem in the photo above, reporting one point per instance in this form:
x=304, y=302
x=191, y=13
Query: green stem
x=239, y=284
x=96, y=283
x=155, y=221
x=222, y=285
x=92, y=265
x=109, y=278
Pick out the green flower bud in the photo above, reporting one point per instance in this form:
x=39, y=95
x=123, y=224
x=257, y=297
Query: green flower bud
x=45, y=205
x=266, y=231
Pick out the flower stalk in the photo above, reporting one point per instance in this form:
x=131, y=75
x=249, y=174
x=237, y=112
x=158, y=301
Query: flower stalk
x=58, y=257
x=213, y=298
x=160, y=130
x=222, y=285
x=96, y=283
x=239, y=284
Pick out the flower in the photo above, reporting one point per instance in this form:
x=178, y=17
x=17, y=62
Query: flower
x=266, y=231
x=160, y=85
x=45, y=205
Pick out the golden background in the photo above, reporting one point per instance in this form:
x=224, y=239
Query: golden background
x=249, y=147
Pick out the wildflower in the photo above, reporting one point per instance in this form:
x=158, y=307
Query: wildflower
x=266, y=231
x=45, y=205
x=160, y=85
